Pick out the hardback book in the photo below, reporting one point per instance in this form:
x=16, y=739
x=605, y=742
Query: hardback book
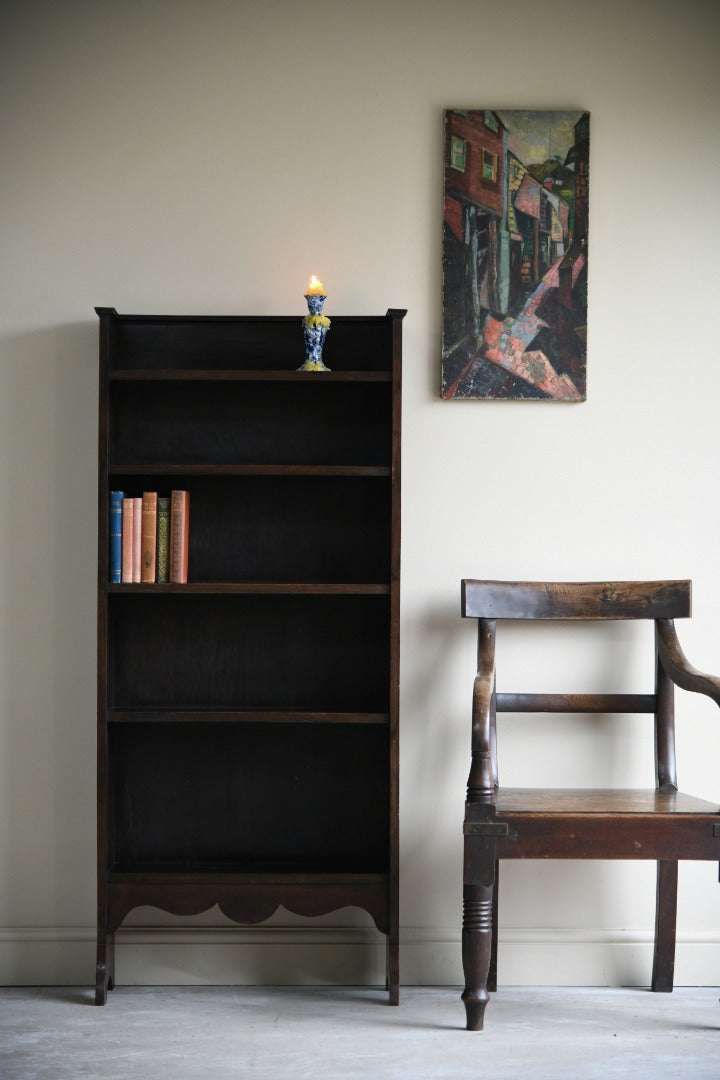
x=127, y=539
x=163, y=539
x=116, y=499
x=179, y=535
x=149, y=536
x=137, y=539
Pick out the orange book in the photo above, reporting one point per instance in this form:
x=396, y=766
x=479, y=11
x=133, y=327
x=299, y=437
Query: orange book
x=127, y=540
x=179, y=535
x=149, y=533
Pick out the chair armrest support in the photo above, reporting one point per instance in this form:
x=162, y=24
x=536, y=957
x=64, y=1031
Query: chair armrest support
x=481, y=785
x=677, y=665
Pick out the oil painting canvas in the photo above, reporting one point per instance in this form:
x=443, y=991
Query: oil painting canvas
x=515, y=254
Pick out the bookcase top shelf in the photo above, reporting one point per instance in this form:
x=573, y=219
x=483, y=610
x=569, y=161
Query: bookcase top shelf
x=249, y=348
x=196, y=469
x=261, y=320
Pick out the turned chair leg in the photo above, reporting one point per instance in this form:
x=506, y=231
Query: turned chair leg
x=665, y=922
x=476, y=951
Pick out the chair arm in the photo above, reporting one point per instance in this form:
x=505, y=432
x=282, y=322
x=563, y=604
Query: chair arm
x=481, y=786
x=677, y=665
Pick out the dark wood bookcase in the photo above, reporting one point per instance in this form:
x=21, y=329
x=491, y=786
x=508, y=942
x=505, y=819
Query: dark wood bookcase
x=248, y=720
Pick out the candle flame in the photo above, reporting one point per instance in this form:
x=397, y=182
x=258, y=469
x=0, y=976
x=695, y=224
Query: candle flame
x=315, y=288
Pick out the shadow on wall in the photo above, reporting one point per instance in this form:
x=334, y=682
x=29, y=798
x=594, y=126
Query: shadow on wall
x=434, y=761
x=48, y=546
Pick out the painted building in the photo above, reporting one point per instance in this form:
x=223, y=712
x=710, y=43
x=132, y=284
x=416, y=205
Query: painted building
x=476, y=248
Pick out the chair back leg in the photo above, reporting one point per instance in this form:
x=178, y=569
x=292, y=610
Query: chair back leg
x=665, y=923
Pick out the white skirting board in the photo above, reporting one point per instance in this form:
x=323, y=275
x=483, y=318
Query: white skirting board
x=346, y=956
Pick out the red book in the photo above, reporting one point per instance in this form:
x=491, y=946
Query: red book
x=179, y=535
x=148, y=538
x=127, y=540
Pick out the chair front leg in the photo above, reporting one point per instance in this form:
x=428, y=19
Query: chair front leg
x=476, y=951
x=492, y=974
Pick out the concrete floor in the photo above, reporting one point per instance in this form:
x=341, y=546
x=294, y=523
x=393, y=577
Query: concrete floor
x=279, y=1033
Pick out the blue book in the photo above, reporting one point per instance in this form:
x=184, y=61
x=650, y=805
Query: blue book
x=116, y=498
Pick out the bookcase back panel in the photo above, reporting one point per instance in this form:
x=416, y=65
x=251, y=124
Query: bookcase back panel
x=352, y=344
x=249, y=797
x=284, y=529
x=327, y=653
x=266, y=423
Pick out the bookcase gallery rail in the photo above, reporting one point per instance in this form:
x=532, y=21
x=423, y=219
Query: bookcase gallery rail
x=248, y=718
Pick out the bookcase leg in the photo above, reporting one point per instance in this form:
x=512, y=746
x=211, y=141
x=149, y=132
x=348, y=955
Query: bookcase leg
x=393, y=970
x=101, y=974
x=105, y=967
x=111, y=961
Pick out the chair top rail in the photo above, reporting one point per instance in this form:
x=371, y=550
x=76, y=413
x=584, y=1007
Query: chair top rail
x=576, y=599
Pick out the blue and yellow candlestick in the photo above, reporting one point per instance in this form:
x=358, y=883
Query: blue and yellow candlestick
x=315, y=327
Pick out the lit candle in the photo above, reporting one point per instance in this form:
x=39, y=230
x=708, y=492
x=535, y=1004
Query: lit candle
x=315, y=288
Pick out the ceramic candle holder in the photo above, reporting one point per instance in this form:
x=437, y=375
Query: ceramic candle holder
x=315, y=328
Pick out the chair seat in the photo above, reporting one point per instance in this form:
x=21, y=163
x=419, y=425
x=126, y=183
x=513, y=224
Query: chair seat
x=599, y=801
x=577, y=823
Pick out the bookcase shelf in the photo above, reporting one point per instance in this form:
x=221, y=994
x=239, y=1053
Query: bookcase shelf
x=247, y=716
x=251, y=588
x=248, y=719
x=241, y=375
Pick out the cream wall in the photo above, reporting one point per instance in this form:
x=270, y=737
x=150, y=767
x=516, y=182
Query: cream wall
x=206, y=157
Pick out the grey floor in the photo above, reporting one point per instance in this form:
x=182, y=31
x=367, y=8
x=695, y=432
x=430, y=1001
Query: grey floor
x=189, y=1033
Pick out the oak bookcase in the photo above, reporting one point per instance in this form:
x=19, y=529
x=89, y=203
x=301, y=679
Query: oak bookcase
x=248, y=720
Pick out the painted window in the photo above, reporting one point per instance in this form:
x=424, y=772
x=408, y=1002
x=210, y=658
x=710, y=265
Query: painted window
x=489, y=165
x=491, y=120
x=458, y=153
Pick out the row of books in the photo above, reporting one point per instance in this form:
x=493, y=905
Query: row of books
x=149, y=537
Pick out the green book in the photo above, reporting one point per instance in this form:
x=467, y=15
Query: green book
x=163, y=540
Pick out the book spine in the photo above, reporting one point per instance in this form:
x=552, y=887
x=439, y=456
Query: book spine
x=163, y=539
x=137, y=539
x=127, y=540
x=149, y=536
x=179, y=535
x=116, y=500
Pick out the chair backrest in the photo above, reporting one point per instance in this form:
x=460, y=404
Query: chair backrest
x=488, y=601
x=576, y=599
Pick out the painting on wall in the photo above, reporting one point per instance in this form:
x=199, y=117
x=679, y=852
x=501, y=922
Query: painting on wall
x=515, y=255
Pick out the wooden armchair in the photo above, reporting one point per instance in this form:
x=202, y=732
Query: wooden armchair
x=568, y=823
